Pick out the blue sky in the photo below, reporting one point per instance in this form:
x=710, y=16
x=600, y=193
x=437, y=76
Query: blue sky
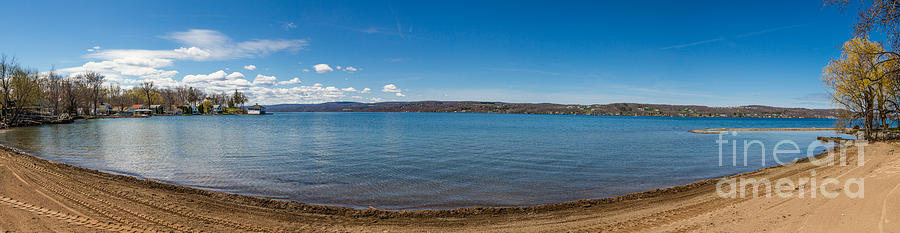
x=718, y=53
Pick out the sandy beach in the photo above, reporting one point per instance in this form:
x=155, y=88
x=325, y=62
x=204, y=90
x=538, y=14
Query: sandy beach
x=43, y=196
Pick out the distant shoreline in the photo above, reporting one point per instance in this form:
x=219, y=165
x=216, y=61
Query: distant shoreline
x=614, y=109
x=548, y=114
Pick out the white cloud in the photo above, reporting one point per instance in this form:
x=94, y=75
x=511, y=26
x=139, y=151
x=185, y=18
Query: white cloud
x=130, y=66
x=399, y=94
x=322, y=68
x=117, y=70
x=289, y=82
x=299, y=94
x=234, y=75
x=215, y=76
x=133, y=66
x=262, y=89
x=203, y=45
x=265, y=80
x=338, y=67
x=218, y=81
x=222, y=47
x=289, y=25
x=390, y=88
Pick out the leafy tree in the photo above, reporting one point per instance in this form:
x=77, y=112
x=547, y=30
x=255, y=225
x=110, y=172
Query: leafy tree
x=27, y=92
x=206, y=106
x=860, y=84
x=239, y=98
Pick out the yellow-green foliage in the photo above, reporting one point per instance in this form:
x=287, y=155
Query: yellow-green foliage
x=860, y=83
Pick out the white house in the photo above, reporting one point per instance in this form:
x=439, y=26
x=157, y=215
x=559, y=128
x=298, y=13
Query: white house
x=256, y=110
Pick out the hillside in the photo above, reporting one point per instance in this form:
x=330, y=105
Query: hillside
x=627, y=109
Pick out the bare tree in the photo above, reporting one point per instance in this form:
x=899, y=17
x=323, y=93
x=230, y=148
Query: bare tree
x=94, y=81
x=117, y=97
x=71, y=92
x=876, y=15
x=8, y=66
x=147, y=90
x=53, y=90
x=194, y=96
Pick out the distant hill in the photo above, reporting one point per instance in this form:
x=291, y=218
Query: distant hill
x=628, y=109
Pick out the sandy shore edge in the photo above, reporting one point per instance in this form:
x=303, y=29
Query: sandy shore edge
x=352, y=212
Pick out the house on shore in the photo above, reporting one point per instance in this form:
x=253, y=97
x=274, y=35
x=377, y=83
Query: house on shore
x=103, y=109
x=256, y=110
x=174, y=110
x=216, y=109
x=138, y=110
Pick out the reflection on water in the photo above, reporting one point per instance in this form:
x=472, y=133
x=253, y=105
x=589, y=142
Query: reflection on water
x=408, y=160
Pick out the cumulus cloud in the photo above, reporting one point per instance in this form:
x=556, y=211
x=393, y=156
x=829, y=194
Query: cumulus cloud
x=218, y=81
x=317, y=93
x=125, y=66
x=263, y=91
x=322, y=68
x=390, y=88
x=134, y=66
x=265, y=80
x=117, y=70
x=289, y=82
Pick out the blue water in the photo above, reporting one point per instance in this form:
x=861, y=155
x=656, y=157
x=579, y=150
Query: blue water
x=413, y=160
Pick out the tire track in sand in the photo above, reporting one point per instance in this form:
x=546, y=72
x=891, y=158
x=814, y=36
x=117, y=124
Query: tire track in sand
x=68, y=218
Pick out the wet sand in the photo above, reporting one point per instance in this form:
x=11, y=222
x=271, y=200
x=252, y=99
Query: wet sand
x=43, y=196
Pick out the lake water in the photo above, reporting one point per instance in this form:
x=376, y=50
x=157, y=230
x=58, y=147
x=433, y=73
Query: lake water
x=412, y=160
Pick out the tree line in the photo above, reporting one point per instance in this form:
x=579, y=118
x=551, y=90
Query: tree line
x=28, y=96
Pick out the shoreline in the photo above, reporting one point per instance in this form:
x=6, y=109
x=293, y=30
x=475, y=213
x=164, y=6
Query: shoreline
x=726, y=130
x=450, y=212
x=173, y=203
